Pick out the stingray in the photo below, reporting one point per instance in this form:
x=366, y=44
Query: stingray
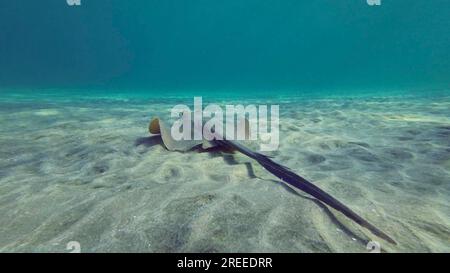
x=159, y=127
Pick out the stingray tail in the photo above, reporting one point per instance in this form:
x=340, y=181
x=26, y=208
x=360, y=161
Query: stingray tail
x=299, y=182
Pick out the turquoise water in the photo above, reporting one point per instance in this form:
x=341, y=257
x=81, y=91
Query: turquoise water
x=364, y=96
x=253, y=45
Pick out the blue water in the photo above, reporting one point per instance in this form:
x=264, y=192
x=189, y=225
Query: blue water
x=248, y=46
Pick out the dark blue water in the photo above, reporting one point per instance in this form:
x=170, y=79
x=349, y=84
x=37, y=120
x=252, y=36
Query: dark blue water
x=238, y=45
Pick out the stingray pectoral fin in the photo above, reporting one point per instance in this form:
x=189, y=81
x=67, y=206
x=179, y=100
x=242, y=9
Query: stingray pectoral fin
x=158, y=126
x=302, y=184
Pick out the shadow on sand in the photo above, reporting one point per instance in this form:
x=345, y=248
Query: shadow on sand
x=149, y=141
x=230, y=160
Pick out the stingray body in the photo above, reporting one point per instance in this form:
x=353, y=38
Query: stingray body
x=159, y=127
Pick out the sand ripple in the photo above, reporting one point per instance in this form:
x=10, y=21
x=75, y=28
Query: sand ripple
x=86, y=171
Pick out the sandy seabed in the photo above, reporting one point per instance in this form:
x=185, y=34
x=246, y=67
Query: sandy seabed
x=84, y=169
